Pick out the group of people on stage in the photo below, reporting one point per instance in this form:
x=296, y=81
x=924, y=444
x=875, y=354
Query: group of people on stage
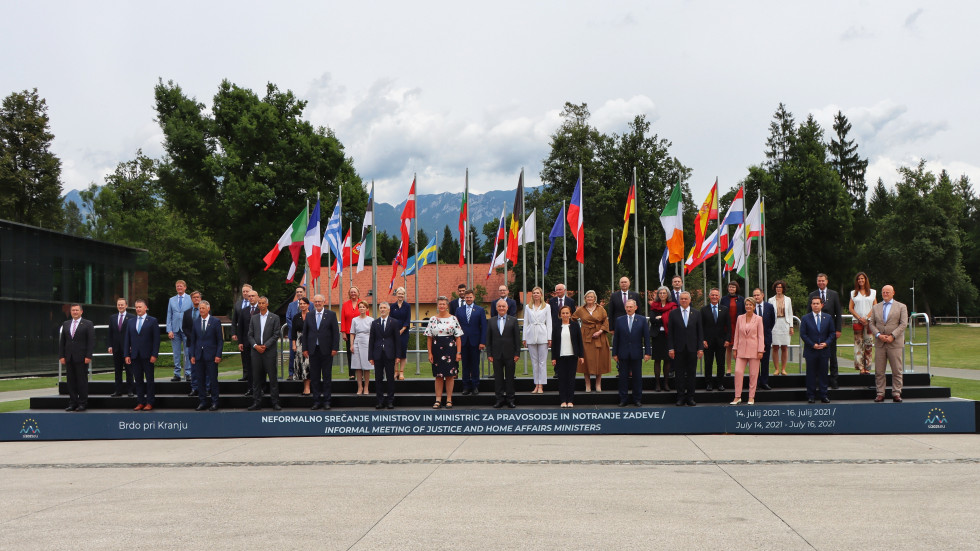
x=581, y=339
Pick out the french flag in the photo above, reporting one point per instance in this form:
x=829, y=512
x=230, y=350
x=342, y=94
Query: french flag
x=576, y=223
x=311, y=242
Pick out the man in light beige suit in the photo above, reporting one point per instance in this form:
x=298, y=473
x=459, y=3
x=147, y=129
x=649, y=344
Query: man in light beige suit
x=888, y=320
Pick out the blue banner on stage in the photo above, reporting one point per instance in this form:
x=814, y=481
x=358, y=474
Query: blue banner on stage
x=909, y=417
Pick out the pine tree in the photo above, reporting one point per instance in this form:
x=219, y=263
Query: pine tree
x=848, y=164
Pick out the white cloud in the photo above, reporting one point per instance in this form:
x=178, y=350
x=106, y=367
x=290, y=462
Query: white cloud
x=880, y=129
x=615, y=114
x=886, y=168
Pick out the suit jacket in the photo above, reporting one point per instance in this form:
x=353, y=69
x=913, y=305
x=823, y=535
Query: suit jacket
x=898, y=319
x=739, y=304
x=512, y=307
x=272, y=334
x=384, y=344
x=632, y=345
x=474, y=331
x=328, y=334
x=175, y=313
x=681, y=338
x=453, y=305
x=768, y=316
x=236, y=312
x=617, y=307
x=206, y=344
x=575, y=332
x=190, y=316
x=507, y=345
x=146, y=342
x=82, y=345
x=672, y=298
x=556, y=304
x=749, y=338
x=811, y=336
x=116, y=337
x=716, y=333
x=832, y=306
x=244, y=317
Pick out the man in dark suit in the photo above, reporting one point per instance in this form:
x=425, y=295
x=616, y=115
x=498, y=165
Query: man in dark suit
x=768, y=313
x=76, y=345
x=685, y=344
x=717, y=337
x=383, y=348
x=192, y=315
x=618, y=299
x=460, y=299
x=817, y=331
x=264, y=331
x=631, y=346
x=241, y=330
x=207, y=342
x=832, y=307
x=321, y=341
x=473, y=320
x=677, y=287
x=503, y=351
x=557, y=301
x=236, y=313
x=142, y=346
x=115, y=340
x=512, y=305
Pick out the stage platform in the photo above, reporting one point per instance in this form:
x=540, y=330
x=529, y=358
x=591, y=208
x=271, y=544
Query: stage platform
x=783, y=410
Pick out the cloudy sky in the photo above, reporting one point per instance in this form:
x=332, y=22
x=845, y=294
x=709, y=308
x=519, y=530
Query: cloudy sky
x=436, y=87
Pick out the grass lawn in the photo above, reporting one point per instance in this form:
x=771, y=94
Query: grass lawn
x=16, y=405
x=960, y=388
x=956, y=346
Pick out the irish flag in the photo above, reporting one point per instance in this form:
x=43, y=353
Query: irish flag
x=291, y=239
x=672, y=219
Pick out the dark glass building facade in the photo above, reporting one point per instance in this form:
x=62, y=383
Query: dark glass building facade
x=42, y=272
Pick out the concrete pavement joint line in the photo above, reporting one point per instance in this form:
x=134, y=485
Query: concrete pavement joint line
x=529, y=462
x=404, y=497
x=931, y=445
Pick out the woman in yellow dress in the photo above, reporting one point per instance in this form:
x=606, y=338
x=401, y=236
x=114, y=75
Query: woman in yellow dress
x=595, y=326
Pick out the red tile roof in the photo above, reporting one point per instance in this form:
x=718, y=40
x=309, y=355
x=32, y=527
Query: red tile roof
x=450, y=276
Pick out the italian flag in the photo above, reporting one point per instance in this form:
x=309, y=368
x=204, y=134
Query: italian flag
x=291, y=239
x=672, y=219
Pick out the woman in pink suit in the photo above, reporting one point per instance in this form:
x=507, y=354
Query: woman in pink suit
x=748, y=346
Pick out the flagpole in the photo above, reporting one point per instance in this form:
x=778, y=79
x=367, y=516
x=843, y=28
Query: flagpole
x=564, y=248
x=467, y=252
x=537, y=267
x=308, y=272
x=350, y=258
x=437, y=270
x=374, y=253
x=612, y=264
x=415, y=237
x=581, y=207
x=718, y=251
x=523, y=248
x=636, y=230
x=646, y=271
x=765, y=252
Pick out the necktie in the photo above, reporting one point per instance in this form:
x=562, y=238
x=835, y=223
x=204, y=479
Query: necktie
x=139, y=324
x=204, y=325
x=823, y=296
x=714, y=310
x=886, y=309
x=120, y=321
x=469, y=310
x=630, y=324
x=382, y=326
x=74, y=324
x=319, y=316
x=818, y=321
x=500, y=324
x=624, y=298
x=251, y=312
x=180, y=302
x=685, y=317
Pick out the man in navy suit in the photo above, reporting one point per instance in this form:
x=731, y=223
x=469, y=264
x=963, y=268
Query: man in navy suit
x=631, y=347
x=142, y=346
x=618, y=299
x=817, y=333
x=321, y=341
x=768, y=313
x=677, y=287
x=76, y=345
x=832, y=307
x=557, y=301
x=685, y=344
x=207, y=341
x=460, y=299
x=512, y=305
x=115, y=341
x=473, y=320
x=383, y=348
x=192, y=315
x=717, y=337
x=503, y=351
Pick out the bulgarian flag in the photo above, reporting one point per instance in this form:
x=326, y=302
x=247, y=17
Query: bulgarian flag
x=630, y=210
x=672, y=219
x=292, y=239
x=462, y=229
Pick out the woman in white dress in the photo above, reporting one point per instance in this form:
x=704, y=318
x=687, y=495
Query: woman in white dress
x=783, y=329
x=360, y=330
x=862, y=299
x=537, y=337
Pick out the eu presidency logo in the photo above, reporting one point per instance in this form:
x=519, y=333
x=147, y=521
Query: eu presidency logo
x=29, y=429
x=936, y=419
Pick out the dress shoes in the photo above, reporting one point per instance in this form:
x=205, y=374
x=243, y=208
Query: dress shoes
x=467, y=392
x=201, y=407
x=115, y=394
x=897, y=398
x=825, y=400
x=880, y=398
x=390, y=405
x=326, y=406
x=622, y=403
x=316, y=406
x=192, y=393
x=498, y=404
x=80, y=409
x=638, y=404
x=242, y=380
x=70, y=408
x=810, y=400
x=476, y=391
x=690, y=402
x=248, y=392
x=721, y=388
x=708, y=388
x=148, y=407
x=214, y=407
x=139, y=407
x=254, y=407
x=276, y=407
x=834, y=385
x=510, y=404
x=175, y=379
x=679, y=403
x=379, y=405
x=765, y=387
x=131, y=395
